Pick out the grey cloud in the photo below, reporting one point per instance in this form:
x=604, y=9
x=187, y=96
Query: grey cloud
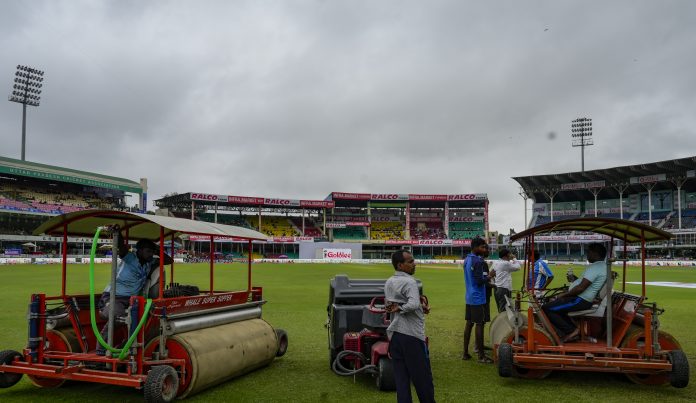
x=298, y=99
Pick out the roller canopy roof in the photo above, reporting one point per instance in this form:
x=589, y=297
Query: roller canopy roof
x=140, y=226
x=617, y=228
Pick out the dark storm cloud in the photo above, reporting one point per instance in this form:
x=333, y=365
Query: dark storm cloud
x=297, y=99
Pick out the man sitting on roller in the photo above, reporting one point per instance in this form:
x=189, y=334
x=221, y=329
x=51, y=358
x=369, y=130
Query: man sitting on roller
x=580, y=296
x=130, y=279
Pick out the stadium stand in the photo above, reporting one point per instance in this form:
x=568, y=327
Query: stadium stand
x=310, y=228
x=427, y=230
x=688, y=220
x=466, y=230
x=228, y=219
x=349, y=233
x=386, y=230
x=273, y=226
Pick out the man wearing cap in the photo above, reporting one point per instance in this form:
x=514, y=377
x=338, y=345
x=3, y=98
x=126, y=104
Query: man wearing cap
x=130, y=279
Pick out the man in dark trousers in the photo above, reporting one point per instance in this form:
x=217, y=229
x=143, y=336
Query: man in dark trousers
x=476, y=278
x=407, y=348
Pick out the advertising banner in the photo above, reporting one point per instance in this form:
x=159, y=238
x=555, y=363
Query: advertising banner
x=208, y=197
x=430, y=242
x=357, y=224
x=245, y=200
x=583, y=185
x=474, y=196
x=335, y=225
x=648, y=179
x=419, y=197
x=466, y=219
x=317, y=203
x=337, y=254
x=389, y=197
x=350, y=196
x=281, y=202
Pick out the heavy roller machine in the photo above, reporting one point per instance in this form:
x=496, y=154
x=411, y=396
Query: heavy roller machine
x=178, y=343
x=620, y=333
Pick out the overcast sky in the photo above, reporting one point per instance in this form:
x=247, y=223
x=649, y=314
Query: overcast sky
x=296, y=99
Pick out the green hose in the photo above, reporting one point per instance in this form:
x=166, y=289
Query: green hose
x=122, y=351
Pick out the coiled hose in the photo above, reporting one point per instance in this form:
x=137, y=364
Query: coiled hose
x=339, y=369
x=122, y=352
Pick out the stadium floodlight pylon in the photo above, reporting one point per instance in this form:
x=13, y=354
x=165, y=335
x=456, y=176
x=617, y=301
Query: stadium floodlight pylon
x=26, y=90
x=581, y=133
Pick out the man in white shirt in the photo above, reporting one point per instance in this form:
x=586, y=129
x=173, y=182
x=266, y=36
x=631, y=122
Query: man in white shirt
x=504, y=266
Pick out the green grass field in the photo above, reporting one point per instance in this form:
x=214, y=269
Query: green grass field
x=297, y=296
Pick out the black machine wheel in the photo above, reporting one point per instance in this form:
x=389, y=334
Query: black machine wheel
x=505, y=368
x=282, y=342
x=385, y=375
x=679, y=377
x=161, y=385
x=8, y=379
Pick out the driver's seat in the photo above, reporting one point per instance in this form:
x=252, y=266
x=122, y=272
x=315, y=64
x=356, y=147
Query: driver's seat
x=598, y=309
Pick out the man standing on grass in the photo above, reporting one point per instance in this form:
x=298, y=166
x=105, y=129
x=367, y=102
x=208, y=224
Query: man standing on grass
x=407, y=348
x=476, y=278
x=504, y=266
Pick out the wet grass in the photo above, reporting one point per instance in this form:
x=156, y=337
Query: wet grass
x=297, y=296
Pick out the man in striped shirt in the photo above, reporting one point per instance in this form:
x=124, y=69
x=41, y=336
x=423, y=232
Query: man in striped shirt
x=542, y=274
x=407, y=348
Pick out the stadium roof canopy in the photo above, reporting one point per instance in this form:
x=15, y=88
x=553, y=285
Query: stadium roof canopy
x=35, y=170
x=578, y=186
x=630, y=231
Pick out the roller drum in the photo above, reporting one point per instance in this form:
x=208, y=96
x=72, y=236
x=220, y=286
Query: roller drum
x=192, y=323
x=220, y=353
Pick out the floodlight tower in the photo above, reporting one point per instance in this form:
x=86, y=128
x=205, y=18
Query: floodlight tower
x=26, y=91
x=581, y=133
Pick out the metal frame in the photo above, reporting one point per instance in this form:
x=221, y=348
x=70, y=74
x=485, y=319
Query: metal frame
x=49, y=364
x=621, y=311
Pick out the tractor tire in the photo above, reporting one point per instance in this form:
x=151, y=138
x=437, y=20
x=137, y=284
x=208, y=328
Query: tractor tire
x=282, y=336
x=635, y=338
x=161, y=384
x=505, y=365
x=385, y=375
x=679, y=377
x=9, y=379
x=524, y=372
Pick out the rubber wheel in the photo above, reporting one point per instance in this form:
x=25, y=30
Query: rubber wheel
x=161, y=384
x=679, y=377
x=9, y=379
x=524, y=372
x=282, y=342
x=505, y=360
x=385, y=375
x=635, y=338
x=58, y=340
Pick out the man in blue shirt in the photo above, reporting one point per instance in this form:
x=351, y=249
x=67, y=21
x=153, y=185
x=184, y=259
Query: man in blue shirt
x=580, y=296
x=542, y=273
x=475, y=278
x=130, y=278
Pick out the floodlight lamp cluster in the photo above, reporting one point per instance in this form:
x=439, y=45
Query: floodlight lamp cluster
x=581, y=127
x=27, y=86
